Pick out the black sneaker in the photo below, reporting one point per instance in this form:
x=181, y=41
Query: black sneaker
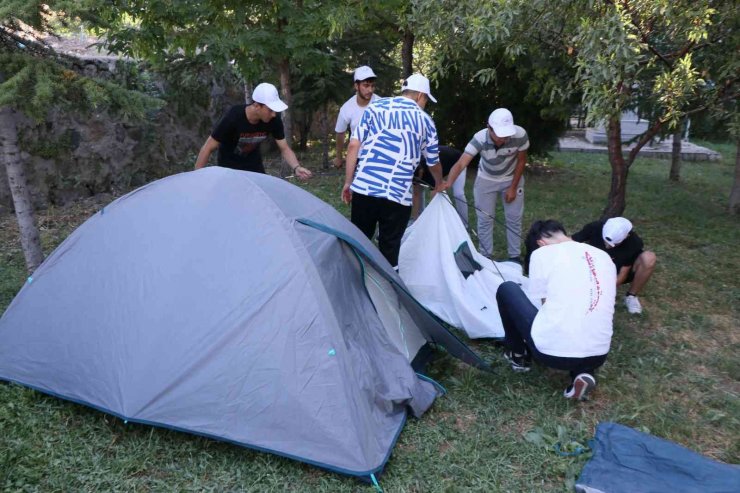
x=520, y=363
x=582, y=385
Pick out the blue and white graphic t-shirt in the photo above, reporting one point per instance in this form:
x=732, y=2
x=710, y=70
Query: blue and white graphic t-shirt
x=394, y=133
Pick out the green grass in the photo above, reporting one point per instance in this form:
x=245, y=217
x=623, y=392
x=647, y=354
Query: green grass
x=673, y=371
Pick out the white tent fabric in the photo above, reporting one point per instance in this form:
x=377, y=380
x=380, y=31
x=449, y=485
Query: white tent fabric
x=428, y=268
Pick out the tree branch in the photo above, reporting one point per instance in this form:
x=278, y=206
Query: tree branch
x=644, y=139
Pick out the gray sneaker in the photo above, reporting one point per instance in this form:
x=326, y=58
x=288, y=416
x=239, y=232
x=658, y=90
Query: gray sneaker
x=633, y=304
x=582, y=385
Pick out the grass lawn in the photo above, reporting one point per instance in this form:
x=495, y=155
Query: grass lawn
x=673, y=371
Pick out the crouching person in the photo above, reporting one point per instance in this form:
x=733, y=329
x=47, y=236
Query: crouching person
x=573, y=329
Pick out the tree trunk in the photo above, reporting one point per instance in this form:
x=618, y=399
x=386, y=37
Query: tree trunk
x=325, y=135
x=675, y=174
x=735, y=193
x=407, y=53
x=305, y=129
x=618, y=192
x=288, y=98
x=217, y=102
x=19, y=190
x=287, y=114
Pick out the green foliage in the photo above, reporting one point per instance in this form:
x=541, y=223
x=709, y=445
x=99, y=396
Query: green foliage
x=49, y=148
x=480, y=61
x=249, y=36
x=32, y=85
x=30, y=12
x=33, y=78
x=466, y=100
x=371, y=43
x=646, y=54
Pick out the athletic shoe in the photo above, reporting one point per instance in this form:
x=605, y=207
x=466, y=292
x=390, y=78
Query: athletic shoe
x=582, y=385
x=520, y=363
x=633, y=304
x=516, y=259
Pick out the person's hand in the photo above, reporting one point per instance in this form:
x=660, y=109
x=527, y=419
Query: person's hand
x=302, y=173
x=510, y=195
x=338, y=162
x=442, y=186
x=346, y=193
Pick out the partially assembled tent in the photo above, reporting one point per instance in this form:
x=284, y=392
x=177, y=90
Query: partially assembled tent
x=232, y=305
x=443, y=270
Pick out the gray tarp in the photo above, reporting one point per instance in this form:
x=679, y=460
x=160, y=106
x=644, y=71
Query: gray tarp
x=628, y=461
x=200, y=303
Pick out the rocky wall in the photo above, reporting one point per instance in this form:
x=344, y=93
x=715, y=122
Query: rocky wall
x=69, y=157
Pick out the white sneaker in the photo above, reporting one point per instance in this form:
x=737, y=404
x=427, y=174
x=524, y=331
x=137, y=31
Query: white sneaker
x=633, y=304
x=582, y=385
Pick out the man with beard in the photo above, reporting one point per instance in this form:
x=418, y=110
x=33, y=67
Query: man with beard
x=351, y=111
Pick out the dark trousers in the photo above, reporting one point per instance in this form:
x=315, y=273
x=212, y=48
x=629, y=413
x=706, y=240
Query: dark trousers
x=517, y=315
x=390, y=217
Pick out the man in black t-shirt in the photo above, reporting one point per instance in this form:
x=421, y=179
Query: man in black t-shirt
x=448, y=156
x=243, y=128
x=634, y=265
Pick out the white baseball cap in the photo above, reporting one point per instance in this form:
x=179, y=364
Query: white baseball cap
x=502, y=122
x=267, y=94
x=615, y=230
x=419, y=83
x=363, y=73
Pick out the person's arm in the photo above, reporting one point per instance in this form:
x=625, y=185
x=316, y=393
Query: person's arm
x=210, y=145
x=339, y=159
x=349, y=173
x=521, y=162
x=622, y=274
x=436, y=172
x=460, y=165
x=290, y=157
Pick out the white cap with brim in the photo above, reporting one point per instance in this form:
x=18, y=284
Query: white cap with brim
x=364, y=73
x=419, y=83
x=615, y=230
x=267, y=94
x=502, y=122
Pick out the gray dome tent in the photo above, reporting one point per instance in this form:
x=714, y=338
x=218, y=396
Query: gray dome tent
x=232, y=305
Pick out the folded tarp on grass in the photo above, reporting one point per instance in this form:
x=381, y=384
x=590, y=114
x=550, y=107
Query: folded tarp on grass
x=628, y=461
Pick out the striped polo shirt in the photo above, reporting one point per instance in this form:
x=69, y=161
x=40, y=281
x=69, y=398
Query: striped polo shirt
x=497, y=164
x=394, y=134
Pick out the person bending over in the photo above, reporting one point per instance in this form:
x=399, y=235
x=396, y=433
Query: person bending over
x=237, y=137
x=573, y=329
x=634, y=265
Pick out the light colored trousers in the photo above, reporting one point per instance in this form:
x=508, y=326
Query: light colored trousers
x=485, y=192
